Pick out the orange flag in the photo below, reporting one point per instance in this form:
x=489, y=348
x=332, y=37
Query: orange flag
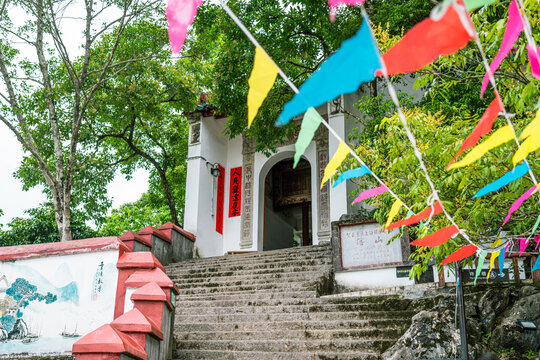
x=484, y=126
x=439, y=237
x=447, y=30
x=430, y=211
x=460, y=254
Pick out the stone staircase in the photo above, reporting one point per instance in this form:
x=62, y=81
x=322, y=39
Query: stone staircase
x=269, y=306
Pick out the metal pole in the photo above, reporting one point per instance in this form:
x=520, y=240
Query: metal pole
x=461, y=309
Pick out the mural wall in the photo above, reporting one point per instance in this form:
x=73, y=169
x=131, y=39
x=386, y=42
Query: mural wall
x=48, y=303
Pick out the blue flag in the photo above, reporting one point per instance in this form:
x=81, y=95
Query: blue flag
x=352, y=173
x=536, y=264
x=506, y=179
x=343, y=72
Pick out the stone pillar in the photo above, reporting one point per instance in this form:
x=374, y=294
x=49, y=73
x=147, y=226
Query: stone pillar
x=161, y=243
x=182, y=241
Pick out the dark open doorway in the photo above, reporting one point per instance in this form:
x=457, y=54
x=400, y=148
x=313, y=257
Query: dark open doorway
x=287, y=206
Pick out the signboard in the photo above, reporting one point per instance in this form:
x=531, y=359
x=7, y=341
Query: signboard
x=468, y=275
x=235, y=192
x=220, y=199
x=426, y=278
x=365, y=246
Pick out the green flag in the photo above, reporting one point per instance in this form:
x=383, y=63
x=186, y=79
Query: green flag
x=310, y=123
x=481, y=259
x=475, y=4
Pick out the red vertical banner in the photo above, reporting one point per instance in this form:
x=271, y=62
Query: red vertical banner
x=220, y=199
x=235, y=192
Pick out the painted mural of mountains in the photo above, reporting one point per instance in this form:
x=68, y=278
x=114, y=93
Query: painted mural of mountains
x=66, y=293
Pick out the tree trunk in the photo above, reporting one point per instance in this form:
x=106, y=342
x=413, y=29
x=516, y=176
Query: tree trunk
x=168, y=195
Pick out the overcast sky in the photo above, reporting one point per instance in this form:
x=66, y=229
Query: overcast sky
x=13, y=200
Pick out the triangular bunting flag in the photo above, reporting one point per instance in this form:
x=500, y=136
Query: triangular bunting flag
x=430, y=211
x=532, y=128
x=493, y=257
x=333, y=4
x=352, y=173
x=520, y=201
x=437, y=238
x=370, y=193
x=537, y=240
x=475, y=4
x=498, y=138
x=480, y=265
x=483, y=127
x=343, y=72
x=536, y=264
x=309, y=126
x=447, y=30
x=340, y=155
x=522, y=245
x=528, y=146
x=262, y=79
x=180, y=15
x=534, y=59
x=394, y=211
x=534, y=227
x=504, y=180
x=514, y=26
x=460, y=254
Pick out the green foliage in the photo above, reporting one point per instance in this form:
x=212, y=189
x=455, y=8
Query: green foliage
x=40, y=227
x=134, y=216
x=439, y=137
x=297, y=34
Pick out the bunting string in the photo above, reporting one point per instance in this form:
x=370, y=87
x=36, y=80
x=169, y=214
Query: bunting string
x=285, y=78
x=460, y=253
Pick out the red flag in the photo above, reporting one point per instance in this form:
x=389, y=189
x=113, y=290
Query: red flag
x=483, y=127
x=460, y=254
x=436, y=209
x=447, y=30
x=439, y=237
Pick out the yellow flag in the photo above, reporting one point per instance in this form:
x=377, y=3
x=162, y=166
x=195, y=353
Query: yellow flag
x=532, y=128
x=340, y=155
x=393, y=212
x=528, y=146
x=262, y=79
x=494, y=255
x=498, y=138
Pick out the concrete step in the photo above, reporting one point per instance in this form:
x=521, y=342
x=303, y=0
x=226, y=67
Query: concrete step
x=286, y=270
x=249, y=278
x=253, y=295
x=371, y=333
x=316, y=316
x=292, y=325
x=291, y=345
x=261, y=355
x=271, y=309
x=303, y=265
x=289, y=252
x=233, y=288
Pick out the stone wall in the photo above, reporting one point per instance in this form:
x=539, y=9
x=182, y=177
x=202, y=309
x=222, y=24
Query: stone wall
x=491, y=312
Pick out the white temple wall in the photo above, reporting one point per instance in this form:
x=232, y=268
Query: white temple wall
x=232, y=225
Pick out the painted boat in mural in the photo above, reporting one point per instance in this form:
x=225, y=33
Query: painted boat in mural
x=73, y=334
x=30, y=338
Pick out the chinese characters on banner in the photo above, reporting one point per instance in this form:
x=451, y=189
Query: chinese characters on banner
x=220, y=199
x=235, y=193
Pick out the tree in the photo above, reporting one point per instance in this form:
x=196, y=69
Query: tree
x=40, y=227
x=138, y=116
x=297, y=35
x=45, y=110
x=135, y=216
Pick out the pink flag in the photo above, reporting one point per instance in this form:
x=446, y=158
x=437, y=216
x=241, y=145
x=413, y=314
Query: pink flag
x=522, y=245
x=335, y=3
x=534, y=59
x=537, y=239
x=180, y=14
x=371, y=193
x=514, y=26
x=520, y=201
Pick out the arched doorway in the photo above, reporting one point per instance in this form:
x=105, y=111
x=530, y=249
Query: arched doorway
x=287, y=206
